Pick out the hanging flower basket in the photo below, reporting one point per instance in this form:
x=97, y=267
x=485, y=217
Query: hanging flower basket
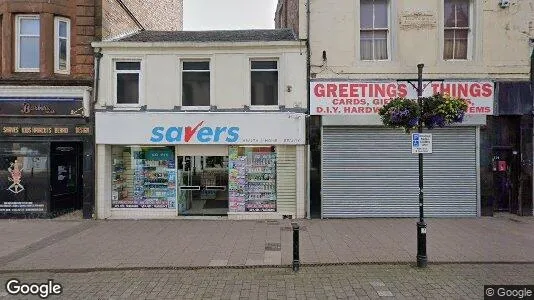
x=438, y=111
x=441, y=110
x=400, y=113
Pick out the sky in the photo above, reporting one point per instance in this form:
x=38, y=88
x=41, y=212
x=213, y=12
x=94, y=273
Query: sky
x=229, y=14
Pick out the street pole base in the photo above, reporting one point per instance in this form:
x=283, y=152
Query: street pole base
x=296, y=265
x=421, y=244
x=421, y=261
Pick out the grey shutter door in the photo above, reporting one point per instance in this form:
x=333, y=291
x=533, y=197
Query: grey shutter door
x=371, y=172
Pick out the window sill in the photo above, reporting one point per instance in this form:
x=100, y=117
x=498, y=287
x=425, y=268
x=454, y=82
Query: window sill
x=196, y=108
x=27, y=70
x=60, y=72
x=264, y=107
x=127, y=107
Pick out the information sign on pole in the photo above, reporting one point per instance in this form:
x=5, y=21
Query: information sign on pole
x=421, y=143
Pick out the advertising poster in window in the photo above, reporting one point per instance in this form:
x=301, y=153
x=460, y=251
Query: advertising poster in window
x=252, y=179
x=366, y=98
x=143, y=178
x=23, y=178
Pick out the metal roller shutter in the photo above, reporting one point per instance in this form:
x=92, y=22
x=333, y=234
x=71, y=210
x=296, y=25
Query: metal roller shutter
x=371, y=172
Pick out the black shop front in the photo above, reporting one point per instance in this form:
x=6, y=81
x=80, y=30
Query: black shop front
x=46, y=157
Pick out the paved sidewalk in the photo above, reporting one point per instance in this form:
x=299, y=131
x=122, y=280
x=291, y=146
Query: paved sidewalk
x=49, y=244
x=451, y=281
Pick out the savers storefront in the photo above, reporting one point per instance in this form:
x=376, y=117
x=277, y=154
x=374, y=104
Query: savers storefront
x=370, y=171
x=240, y=165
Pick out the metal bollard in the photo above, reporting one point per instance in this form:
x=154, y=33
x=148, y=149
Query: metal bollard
x=296, y=260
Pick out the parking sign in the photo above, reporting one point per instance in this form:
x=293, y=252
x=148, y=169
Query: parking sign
x=421, y=143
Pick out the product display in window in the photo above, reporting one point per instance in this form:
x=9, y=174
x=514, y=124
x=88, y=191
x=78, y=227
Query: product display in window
x=143, y=178
x=252, y=179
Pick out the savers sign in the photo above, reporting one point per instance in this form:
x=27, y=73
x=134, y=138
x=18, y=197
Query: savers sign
x=366, y=98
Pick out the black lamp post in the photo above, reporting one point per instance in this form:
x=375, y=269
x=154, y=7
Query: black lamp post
x=421, y=225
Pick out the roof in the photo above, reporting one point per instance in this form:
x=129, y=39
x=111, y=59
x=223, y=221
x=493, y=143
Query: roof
x=268, y=35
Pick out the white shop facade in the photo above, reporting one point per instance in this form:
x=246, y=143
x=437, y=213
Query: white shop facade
x=368, y=170
x=203, y=164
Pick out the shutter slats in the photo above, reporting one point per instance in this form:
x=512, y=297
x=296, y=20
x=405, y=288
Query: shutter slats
x=286, y=167
x=371, y=172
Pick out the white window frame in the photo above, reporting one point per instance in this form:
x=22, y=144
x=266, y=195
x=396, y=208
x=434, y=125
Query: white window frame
x=250, y=70
x=18, y=18
x=388, y=34
x=140, y=101
x=470, y=39
x=195, y=107
x=57, y=21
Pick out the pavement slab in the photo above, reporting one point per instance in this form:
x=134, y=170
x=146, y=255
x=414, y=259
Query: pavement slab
x=60, y=245
x=385, y=281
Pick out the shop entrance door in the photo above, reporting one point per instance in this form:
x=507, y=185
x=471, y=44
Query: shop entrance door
x=203, y=185
x=65, y=177
x=505, y=167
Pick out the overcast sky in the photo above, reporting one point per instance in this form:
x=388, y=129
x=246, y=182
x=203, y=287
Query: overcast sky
x=229, y=14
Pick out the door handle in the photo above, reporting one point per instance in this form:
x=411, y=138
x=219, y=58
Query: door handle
x=190, y=188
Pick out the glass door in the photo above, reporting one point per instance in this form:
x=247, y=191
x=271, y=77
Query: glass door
x=203, y=182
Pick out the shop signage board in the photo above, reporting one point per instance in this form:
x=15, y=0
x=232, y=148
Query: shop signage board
x=421, y=143
x=41, y=106
x=154, y=128
x=366, y=98
x=43, y=130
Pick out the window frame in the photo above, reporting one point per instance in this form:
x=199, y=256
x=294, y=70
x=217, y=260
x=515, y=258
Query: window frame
x=18, y=19
x=57, y=21
x=181, y=93
x=387, y=29
x=140, y=101
x=470, y=39
x=250, y=70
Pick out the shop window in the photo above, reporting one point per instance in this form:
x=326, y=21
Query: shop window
x=252, y=179
x=195, y=83
x=127, y=82
x=374, y=30
x=61, y=45
x=27, y=32
x=143, y=177
x=264, y=82
x=24, y=177
x=456, y=29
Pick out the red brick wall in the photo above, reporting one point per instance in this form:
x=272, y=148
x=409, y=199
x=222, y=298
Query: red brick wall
x=287, y=15
x=82, y=21
x=153, y=15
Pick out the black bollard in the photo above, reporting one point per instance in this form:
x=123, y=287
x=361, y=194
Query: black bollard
x=296, y=260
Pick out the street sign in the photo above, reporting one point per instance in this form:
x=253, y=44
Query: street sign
x=421, y=143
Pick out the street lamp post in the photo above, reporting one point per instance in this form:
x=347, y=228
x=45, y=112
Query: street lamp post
x=421, y=225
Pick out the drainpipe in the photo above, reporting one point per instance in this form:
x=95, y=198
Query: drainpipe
x=98, y=55
x=308, y=124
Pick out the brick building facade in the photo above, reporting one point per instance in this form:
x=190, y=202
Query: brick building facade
x=287, y=15
x=150, y=15
x=46, y=91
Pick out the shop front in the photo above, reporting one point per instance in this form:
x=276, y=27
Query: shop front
x=370, y=171
x=45, y=153
x=163, y=165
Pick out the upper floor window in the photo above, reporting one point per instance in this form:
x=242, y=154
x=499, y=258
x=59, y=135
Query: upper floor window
x=195, y=83
x=61, y=45
x=374, y=29
x=127, y=82
x=456, y=29
x=264, y=82
x=27, y=31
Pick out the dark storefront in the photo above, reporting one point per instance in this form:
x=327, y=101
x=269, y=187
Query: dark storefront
x=506, y=152
x=46, y=157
